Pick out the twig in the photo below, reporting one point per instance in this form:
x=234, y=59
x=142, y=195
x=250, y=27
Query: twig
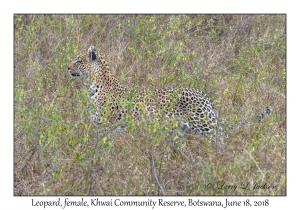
x=263, y=176
x=155, y=175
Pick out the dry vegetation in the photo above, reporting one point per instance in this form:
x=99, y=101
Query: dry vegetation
x=238, y=60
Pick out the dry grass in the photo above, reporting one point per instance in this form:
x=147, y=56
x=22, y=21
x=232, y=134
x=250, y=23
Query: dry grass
x=238, y=60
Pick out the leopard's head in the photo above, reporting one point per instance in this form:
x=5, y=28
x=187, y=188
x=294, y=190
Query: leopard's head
x=78, y=67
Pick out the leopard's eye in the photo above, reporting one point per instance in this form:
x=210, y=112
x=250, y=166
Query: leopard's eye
x=78, y=59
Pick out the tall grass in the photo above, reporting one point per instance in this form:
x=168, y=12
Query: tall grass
x=238, y=60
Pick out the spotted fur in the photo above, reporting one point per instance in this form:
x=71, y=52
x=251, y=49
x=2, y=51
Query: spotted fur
x=190, y=103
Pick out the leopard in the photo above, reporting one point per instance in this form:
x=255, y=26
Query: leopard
x=192, y=104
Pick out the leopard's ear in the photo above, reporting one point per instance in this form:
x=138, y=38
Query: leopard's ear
x=79, y=58
x=91, y=54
